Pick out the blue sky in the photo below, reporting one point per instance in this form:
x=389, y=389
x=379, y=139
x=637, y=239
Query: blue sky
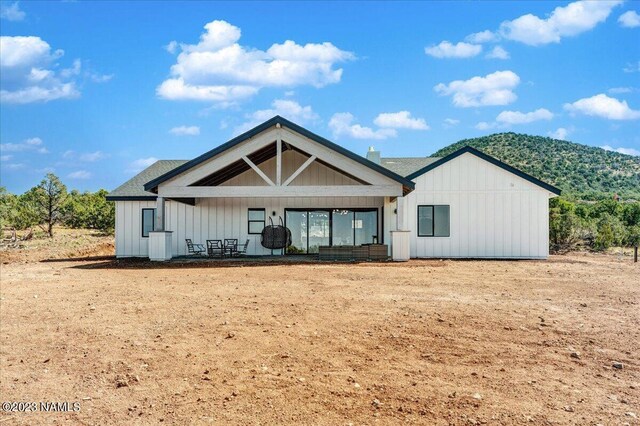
x=95, y=91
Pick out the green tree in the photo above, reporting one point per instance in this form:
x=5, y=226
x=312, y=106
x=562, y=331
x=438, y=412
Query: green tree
x=606, y=207
x=7, y=207
x=611, y=232
x=632, y=239
x=563, y=224
x=90, y=210
x=631, y=214
x=46, y=202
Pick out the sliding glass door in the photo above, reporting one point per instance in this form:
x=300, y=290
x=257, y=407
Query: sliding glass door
x=365, y=227
x=311, y=229
x=319, y=226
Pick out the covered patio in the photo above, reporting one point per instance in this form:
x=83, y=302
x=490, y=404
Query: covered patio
x=277, y=173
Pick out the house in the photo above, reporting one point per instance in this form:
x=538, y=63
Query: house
x=465, y=205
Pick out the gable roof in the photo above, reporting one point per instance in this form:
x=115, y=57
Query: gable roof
x=133, y=189
x=152, y=184
x=490, y=159
x=404, y=166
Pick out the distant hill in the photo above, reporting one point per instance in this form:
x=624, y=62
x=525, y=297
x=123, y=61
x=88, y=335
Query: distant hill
x=581, y=171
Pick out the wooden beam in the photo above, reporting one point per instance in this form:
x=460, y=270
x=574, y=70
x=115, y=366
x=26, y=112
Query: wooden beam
x=279, y=160
x=257, y=170
x=281, y=191
x=300, y=170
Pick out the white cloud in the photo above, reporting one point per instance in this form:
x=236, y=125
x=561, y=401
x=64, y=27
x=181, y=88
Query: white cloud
x=74, y=70
x=30, y=145
x=628, y=151
x=185, y=131
x=26, y=75
x=100, y=78
x=6, y=157
x=483, y=125
x=450, y=122
x=91, y=157
x=172, y=47
x=621, y=90
x=80, y=174
x=400, y=120
x=517, y=117
x=482, y=37
x=498, y=53
x=570, y=20
x=219, y=69
x=492, y=89
x=11, y=12
x=629, y=19
x=15, y=166
x=341, y=125
x=603, y=106
x=448, y=50
x=560, y=133
x=140, y=164
x=287, y=108
x=632, y=67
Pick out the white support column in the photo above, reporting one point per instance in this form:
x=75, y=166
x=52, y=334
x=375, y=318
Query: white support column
x=400, y=214
x=159, y=219
x=279, y=160
x=401, y=237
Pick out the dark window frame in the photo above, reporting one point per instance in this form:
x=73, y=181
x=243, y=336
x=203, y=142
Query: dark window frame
x=433, y=221
x=249, y=221
x=153, y=222
x=330, y=211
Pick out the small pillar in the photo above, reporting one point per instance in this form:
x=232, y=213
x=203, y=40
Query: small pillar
x=160, y=245
x=159, y=239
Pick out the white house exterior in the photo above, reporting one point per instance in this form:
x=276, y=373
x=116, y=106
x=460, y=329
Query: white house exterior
x=464, y=205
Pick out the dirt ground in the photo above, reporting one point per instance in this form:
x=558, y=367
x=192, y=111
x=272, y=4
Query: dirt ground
x=424, y=342
x=66, y=243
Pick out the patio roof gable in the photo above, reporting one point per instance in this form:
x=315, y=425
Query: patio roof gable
x=278, y=129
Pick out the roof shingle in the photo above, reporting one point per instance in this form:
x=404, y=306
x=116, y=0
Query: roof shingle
x=134, y=187
x=404, y=166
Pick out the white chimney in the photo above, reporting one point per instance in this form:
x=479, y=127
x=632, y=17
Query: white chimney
x=373, y=155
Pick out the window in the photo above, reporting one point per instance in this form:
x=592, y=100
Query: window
x=433, y=221
x=148, y=221
x=257, y=219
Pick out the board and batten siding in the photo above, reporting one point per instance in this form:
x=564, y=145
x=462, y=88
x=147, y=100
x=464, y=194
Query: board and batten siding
x=217, y=219
x=493, y=213
x=129, y=240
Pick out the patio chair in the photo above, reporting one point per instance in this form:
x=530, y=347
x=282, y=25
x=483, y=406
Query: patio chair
x=215, y=248
x=231, y=246
x=242, y=250
x=194, y=249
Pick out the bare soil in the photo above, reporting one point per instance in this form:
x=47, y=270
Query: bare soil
x=424, y=342
x=65, y=244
